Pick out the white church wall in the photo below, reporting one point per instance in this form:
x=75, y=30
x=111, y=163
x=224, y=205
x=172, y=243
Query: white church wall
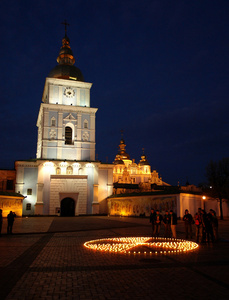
x=136, y=205
x=19, y=178
x=47, y=170
x=90, y=170
x=141, y=205
x=51, y=150
x=85, y=154
x=69, y=152
x=28, y=188
x=191, y=202
x=105, y=186
x=72, y=184
x=85, y=97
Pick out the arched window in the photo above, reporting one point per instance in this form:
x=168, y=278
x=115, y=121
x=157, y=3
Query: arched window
x=68, y=135
x=69, y=170
x=58, y=171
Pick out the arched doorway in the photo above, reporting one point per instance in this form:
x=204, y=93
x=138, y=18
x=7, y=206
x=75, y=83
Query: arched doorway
x=67, y=207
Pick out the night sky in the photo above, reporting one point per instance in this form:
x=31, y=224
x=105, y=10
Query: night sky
x=159, y=71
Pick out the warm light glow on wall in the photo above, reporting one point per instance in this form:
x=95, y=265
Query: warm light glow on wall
x=89, y=165
x=48, y=167
x=11, y=204
x=48, y=164
x=76, y=165
x=141, y=244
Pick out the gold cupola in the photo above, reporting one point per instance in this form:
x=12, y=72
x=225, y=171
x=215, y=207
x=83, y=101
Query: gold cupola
x=65, y=68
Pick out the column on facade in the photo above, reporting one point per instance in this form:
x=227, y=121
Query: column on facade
x=92, y=136
x=19, y=179
x=60, y=135
x=95, y=203
x=45, y=133
x=40, y=185
x=77, y=97
x=79, y=136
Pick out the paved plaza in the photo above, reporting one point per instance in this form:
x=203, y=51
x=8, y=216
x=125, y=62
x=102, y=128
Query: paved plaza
x=45, y=259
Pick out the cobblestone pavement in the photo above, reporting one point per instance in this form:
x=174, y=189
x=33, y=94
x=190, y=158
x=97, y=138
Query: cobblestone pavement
x=45, y=259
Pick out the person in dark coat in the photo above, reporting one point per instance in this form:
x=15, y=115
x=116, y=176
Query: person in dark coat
x=152, y=220
x=214, y=222
x=10, y=219
x=188, y=224
x=207, y=218
x=199, y=225
x=167, y=224
x=173, y=222
x=206, y=226
x=158, y=219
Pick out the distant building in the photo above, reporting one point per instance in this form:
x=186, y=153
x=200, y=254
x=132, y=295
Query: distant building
x=7, y=180
x=137, y=190
x=9, y=200
x=128, y=176
x=140, y=204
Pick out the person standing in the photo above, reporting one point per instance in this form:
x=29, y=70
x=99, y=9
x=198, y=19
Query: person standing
x=173, y=222
x=214, y=223
x=10, y=219
x=188, y=224
x=158, y=219
x=0, y=222
x=205, y=226
x=199, y=226
x=167, y=224
x=207, y=220
x=152, y=220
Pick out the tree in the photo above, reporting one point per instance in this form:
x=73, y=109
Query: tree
x=217, y=173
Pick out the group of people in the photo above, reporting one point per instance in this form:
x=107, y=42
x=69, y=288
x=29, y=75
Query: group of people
x=10, y=222
x=206, y=224
x=169, y=220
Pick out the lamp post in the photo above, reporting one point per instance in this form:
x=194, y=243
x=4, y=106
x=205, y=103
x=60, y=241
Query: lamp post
x=204, y=198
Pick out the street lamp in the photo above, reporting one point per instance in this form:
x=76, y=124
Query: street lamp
x=204, y=198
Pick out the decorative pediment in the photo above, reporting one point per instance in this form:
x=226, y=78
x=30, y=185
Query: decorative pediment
x=70, y=117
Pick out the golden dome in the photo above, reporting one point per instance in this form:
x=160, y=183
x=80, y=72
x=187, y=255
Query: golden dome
x=65, y=68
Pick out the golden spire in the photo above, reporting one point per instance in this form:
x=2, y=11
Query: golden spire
x=66, y=55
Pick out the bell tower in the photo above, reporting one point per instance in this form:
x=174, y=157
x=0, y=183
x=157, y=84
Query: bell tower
x=66, y=122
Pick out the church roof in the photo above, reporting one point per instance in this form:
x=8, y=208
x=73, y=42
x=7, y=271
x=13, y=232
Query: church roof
x=122, y=150
x=65, y=68
x=118, y=160
x=11, y=194
x=144, y=161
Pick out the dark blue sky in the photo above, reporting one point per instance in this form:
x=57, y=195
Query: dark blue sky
x=159, y=71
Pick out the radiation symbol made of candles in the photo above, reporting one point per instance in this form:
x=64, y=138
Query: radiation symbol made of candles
x=141, y=245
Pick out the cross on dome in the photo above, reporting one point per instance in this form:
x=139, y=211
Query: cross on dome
x=65, y=26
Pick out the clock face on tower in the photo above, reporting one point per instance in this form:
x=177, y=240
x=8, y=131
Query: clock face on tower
x=69, y=92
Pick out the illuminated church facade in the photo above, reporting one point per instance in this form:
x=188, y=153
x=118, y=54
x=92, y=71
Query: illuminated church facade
x=129, y=175
x=65, y=178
